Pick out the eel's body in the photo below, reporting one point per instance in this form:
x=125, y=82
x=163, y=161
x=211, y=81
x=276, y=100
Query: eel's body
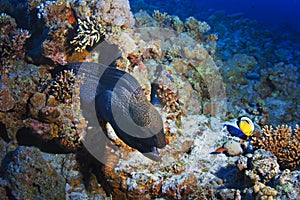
x=119, y=99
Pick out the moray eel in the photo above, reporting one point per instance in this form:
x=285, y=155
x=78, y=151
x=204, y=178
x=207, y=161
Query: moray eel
x=120, y=100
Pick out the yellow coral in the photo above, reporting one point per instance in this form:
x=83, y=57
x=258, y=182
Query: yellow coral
x=264, y=192
x=90, y=32
x=283, y=143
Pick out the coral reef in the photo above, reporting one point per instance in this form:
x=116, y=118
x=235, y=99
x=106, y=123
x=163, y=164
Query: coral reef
x=29, y=176
x=3, y=191
x=283, y=143
x=269, y=50
x=12, y=42
x=50, y=108
x=263, y=166
x=183, y=173
x=102, y=19
x=192, y=26
x=56, y=14
x=54, y=49
x=177, y=24
x=58, y=18
x=266, y=181
x=281, y=79
x=143, y=19
x=64, y=87
x=196, y=28
x=250, y=103
x=238, y=66
x=262, y=191
x=59, y=106
x=182, y=57
x=74, y=26
x=115, y=13
x=171, y=107
x=161, y=18
x=287, y=184
x=18, y=89
x=7, y=101
x=281, y=111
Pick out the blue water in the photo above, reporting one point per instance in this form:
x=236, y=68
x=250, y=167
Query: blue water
x=280, y=15
x=272, y=13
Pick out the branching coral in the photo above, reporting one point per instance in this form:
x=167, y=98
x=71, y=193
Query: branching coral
x=193, y=24
x=99, y=20
x=12, y=42
x=111, y=14
x=59, y=18
x=89, y=33
x=177, y=24
x=172, y=53
x=169, y=100
x=63, y=87
x=211, y=37
x=161, y=18
x=283, y=143
x=196, y=28
x=54, y=49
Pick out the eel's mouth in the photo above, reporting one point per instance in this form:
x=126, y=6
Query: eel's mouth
x=153, y=154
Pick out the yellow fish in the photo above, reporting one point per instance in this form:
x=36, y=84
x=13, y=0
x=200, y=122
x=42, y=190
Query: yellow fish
x=241, y=127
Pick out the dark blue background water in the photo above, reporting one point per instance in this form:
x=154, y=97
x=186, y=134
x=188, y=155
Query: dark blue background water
x=272, y=13
x=281, y=15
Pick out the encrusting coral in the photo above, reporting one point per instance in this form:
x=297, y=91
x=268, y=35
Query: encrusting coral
x=283, y=143
x=7, y=101
x=262, y=192
x=192, y=26
x=280, y=79
x=263, y=166
x=287, y=183
x=171, y=106
x=57, y=107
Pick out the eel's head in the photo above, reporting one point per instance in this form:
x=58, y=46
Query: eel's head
x=143, y=129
